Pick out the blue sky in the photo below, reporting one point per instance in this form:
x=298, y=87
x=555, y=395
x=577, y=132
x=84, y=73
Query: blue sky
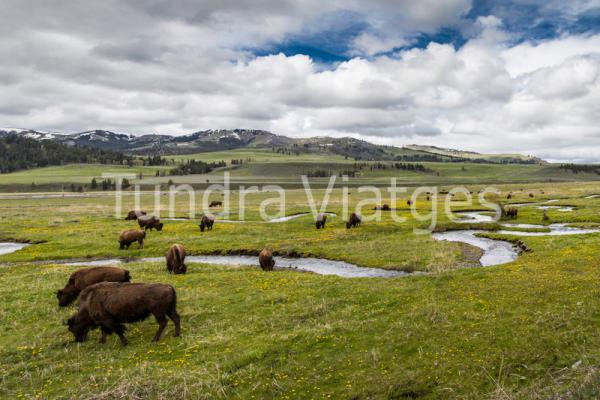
x=329, y=37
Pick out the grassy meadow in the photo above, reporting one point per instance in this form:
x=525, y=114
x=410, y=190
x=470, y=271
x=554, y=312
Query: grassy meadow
x=524, y=330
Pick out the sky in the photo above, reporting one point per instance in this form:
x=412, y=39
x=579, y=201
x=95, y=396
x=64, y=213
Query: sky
x=493, y=76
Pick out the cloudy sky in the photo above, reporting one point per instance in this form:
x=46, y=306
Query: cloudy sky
x=483, y=75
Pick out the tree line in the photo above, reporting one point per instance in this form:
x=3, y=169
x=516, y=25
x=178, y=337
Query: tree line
x=19, y=153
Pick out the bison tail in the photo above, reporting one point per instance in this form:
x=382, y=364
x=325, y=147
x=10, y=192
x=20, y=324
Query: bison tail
x=173, y=307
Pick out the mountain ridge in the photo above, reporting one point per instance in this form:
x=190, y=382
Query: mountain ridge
x=230, y=139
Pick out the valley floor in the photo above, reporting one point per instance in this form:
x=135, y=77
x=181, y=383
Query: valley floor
x=527, y=329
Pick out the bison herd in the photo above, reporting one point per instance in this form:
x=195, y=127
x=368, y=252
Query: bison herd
x=108, y=299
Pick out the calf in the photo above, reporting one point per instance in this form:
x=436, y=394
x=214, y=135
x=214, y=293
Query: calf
x=353, y=221
x=134, y=214
x=321, y=219
x=109, y=305
x=85, y=277
x=175, y=259
x=130, y=236
x=266, y=261
x=150, y=222
x=206, y=222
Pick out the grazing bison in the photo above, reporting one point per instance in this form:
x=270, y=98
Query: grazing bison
x=109, y=305
x=511, y=212
x=150, y=222
x=408, y=203
x=134, y=214
x=206, y=222
x=509, y=196
x=353, y=221
x=321, y=219
x=175, y=259
x=130, y=236
x=215, y=203
x=530, y=194
x=385, y=207
x=266, y=261
x=85, y=277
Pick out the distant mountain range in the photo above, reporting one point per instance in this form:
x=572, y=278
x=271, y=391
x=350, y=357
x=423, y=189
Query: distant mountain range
x=225, y=139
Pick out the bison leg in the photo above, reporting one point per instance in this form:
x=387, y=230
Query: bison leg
x=162, y=323
x=141, y=244
x=119, y=330
x=175, y=318
x=105, y=333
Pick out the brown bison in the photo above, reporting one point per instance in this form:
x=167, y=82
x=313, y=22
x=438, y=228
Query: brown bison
x=206, y=222
x=353, y=221
x=150, y=222
x=134, y=214
x=530, y=194
x=511, y=212
x=321, y=220
x=509, y=196
x=85, y=277
x=266, y=261
x=109, y=305
x=385, y=207
x=215, y=203
x=130, y=236
x=408, y=203
x=175, y=259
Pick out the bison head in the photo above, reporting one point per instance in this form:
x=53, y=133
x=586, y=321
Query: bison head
x=64, y=298
x=78, y=327
x=202, y=226
x=159, y=226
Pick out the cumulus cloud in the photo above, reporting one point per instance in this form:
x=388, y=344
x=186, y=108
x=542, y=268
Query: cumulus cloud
x=173, y=68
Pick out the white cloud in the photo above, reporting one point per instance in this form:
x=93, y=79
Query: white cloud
x=175, y=70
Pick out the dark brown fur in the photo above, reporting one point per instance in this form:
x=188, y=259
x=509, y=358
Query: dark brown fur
x=109, y=305
x=134, y=214
x=206, y=222
x=321, y=220
x=130, y=236
x=266, y=261
x=175, y=259
x=150, y=222
x=353, y=221
x=511, y=212
x=215, y=204
x=85, y=277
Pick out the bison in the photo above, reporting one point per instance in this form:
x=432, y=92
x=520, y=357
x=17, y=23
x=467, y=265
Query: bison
x=109, y=305
x=150, y=222
x=215, y=203
x=266, y=261
x=353, y=221
x=511, y=212
x=385, y=207
x=175, y=259
x=321, y=220
x=134, y=214
x=85, y=277
x=206, y=222
x=130, y=236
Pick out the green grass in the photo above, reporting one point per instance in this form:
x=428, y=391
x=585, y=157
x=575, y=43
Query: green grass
x=512, y=331
x=261, y=166
x=71, y=173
